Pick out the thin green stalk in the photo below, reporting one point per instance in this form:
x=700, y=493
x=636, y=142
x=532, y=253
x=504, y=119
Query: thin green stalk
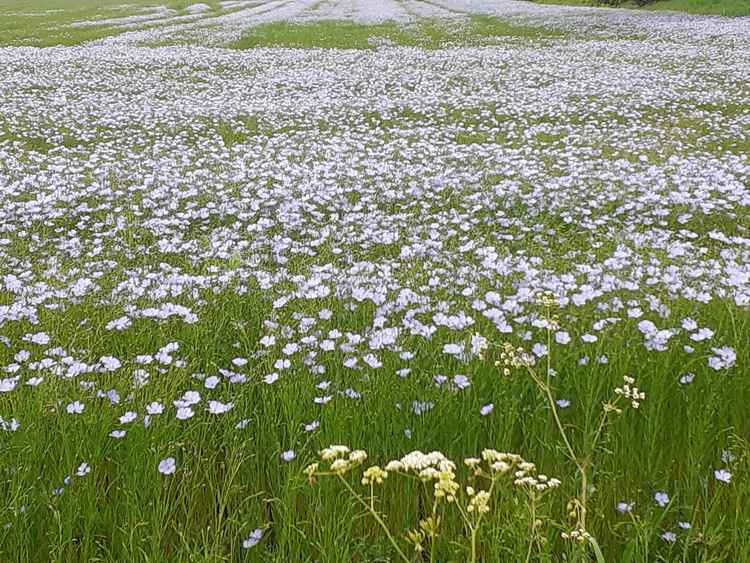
x=377, y=517
x=532, y=511
x=432, y=537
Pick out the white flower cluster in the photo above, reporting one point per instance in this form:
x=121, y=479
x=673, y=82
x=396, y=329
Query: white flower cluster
x=433, y=466
x=426, y=466
x=631, y=392
x=579, y=535
x=526, y=476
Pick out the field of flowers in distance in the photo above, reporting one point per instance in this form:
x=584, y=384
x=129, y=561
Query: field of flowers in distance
x=373, y=280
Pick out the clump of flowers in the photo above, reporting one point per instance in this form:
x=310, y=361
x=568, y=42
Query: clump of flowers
x=438, y=474
x=515, y=358
x=631, y=392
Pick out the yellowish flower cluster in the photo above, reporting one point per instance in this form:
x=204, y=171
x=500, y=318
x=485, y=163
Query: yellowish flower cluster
x=547, y=299
x=342, y=460
x=332, y=452
x=480, y=501
x=500, y=462
x=580, y=535
x=374, y=474
x=434, y=467
x=512, y=357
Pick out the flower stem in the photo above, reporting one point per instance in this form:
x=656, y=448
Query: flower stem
x=377, y=517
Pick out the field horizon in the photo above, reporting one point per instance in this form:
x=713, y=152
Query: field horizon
x=373, y=281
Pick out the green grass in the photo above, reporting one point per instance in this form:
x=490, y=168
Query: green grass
x=230, y=481
x=427, y=34
x=705, y=7
x=45, y=23
x=328, y=35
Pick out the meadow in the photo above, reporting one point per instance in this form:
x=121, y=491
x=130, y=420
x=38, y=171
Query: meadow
x=356, y=281
x=732, y=8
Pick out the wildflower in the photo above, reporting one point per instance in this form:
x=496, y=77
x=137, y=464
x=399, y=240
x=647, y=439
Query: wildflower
x=724, y=358
x=183, y=413
x=421, y=407
x=253, y=539
x=472, y=462
x=40, y=338
x=479, y=503
x=579, y=535
x=562, y=337
x=686, y=378
x=189, y=398
x=417, y=538
x=288, y=455
x=629, y=391
x=446, y=486
x=129, y=416
x=478, y=344
x=310, y=470
x=217, y=407
x=512, y=357
x=211, y=382
x=154, y=408
x=167, y=466
x=461, y=382
x=486, y=409
x=453, y=349
x=9, y=425
x=374, y=474
x=110, y=363
x=661, y=498
x=539, y=350
x=625, y=507
x=723, y=475
x=669, y=537
x=76, y=407
x=271, y=378
x=83, y=469
x=547, y=299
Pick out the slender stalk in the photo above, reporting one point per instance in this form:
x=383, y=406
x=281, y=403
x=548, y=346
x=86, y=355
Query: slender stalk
x=473, y=529
x=432, y=536
x=532, y=511
x=377, y=517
